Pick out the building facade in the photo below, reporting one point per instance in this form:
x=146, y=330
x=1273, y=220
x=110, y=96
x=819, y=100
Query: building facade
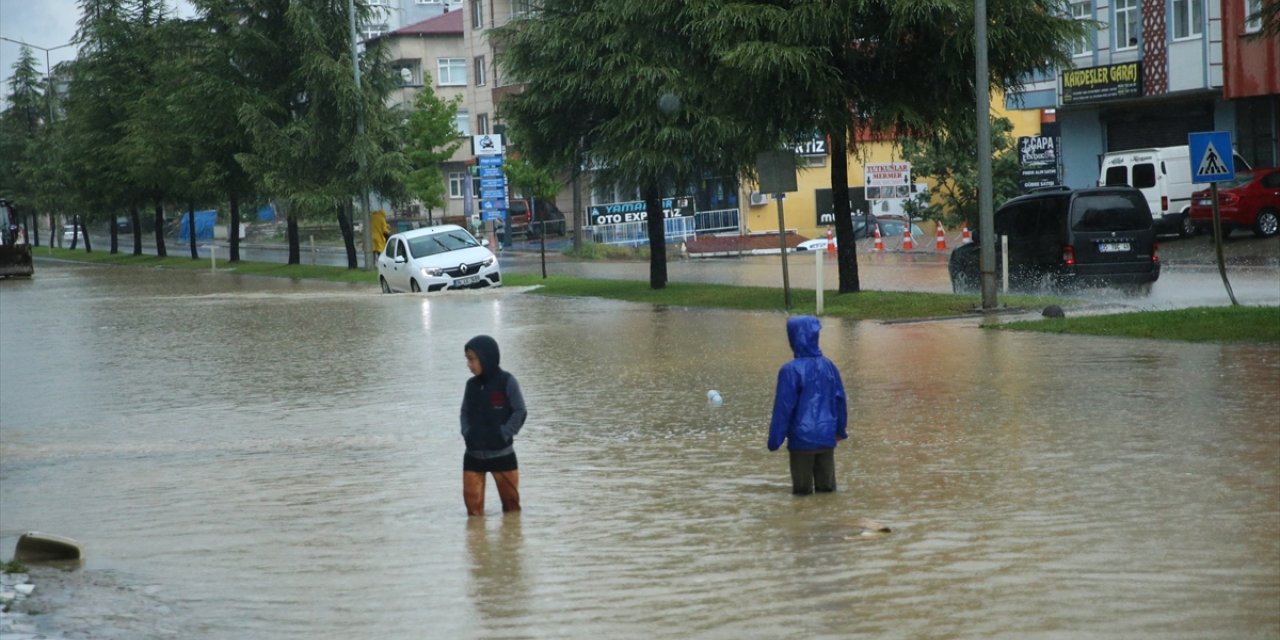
x=1154, y=71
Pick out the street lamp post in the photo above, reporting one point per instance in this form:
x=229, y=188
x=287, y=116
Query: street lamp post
x=48, y=70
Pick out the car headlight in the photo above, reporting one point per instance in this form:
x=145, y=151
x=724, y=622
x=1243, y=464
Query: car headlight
x=488, y=261
x=432, y=272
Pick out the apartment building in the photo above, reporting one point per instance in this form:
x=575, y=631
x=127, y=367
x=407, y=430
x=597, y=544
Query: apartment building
x=1155, y=71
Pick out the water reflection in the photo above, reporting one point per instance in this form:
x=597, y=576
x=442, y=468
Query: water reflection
x=281, y=460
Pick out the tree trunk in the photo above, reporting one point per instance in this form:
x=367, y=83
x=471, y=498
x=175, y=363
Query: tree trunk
x=847, y=250
x=84, y=231
x=33, y=231
x=53, y=230
x=75, y=232
x=135, y=220
x=348, y=238
x=191, y=227
x=295, y=255
x=159, y=227
x=234, y=232
x=115, y=237
x=656, y=223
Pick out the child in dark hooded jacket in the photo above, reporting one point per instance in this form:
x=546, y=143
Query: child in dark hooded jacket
x=810, y=410
x=492, y=413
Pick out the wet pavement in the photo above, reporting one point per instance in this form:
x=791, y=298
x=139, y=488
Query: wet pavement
x=257, y=458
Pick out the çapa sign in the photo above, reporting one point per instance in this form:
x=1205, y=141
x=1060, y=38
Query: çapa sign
x=1097, y=84
x=620, y=212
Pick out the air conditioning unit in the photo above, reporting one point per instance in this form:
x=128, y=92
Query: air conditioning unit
x=758, y=199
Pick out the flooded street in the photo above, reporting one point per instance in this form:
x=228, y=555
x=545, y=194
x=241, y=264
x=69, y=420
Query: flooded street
x=258, y=458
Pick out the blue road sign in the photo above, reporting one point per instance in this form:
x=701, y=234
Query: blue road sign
x=493, y=193
x=491, y=172
x=492, y=183
x=489, y=161
x=1211, y=159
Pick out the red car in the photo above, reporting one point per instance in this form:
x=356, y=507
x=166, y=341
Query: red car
x=1251, y=201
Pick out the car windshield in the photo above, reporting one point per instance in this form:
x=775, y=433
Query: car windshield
x=430, y=245
x=1110, y=212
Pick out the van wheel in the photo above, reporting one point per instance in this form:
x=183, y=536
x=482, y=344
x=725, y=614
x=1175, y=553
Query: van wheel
x=1188, y=227
x=1267, y=223
x=413, y=286
x=386, y=288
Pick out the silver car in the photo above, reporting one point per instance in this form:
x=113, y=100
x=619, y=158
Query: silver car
x=435, y=259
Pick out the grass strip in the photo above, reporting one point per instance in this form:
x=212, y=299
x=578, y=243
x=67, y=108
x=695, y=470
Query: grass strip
x=865, y=305
x=1198, y=324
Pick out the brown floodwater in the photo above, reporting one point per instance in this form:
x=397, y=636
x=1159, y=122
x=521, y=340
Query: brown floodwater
x=257, y=458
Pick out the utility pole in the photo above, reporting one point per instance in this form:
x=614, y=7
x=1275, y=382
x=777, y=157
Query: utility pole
x=364, y=190
x=986, y=225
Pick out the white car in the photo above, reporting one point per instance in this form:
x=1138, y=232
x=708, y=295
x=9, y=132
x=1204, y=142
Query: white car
x=69, y=234
x=817, y=244
x=436, y=258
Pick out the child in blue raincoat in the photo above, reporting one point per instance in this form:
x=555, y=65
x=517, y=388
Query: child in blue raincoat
x=810, y=410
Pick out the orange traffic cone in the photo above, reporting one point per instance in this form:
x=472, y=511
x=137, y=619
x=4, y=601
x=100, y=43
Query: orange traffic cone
x=831, y=243
x=908, y=244
x=965, y=238
x=879, y=245
x=942, y=238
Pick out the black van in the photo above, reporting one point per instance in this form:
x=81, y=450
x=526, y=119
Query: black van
x=1062, y=239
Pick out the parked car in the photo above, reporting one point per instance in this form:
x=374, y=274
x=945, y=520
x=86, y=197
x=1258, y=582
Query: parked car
x=891, y=226
x=436, y=258
x=69, y=234
x=1163, y=175
x=1251, y=201
x=816, y=244
x=524, y=224
x=1062, y=238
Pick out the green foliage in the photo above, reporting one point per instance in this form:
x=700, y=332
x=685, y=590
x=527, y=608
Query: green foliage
x=12, y=566
x=949, y=158
x=597, y=251
x=433, y=138
x=530, y=181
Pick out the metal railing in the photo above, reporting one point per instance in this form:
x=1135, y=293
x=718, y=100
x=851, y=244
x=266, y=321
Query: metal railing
x=716, y=221
x=635, y=234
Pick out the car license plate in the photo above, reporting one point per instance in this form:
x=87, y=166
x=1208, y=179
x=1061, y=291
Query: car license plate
x=1113, y=247
x=462, y=282
x=1205, y=202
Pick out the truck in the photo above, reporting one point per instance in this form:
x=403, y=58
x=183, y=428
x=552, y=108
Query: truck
x=15, y=253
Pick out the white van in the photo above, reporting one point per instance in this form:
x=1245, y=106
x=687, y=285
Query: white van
x=1163, y=175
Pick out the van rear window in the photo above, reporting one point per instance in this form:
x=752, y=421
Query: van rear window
x=1110, y=212
x=1117, y=177
x=1144, y=176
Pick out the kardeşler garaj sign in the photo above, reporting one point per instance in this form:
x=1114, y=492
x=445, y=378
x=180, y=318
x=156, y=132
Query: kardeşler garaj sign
x=1107, y=82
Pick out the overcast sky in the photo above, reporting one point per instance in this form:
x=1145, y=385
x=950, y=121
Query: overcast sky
x=41, y=23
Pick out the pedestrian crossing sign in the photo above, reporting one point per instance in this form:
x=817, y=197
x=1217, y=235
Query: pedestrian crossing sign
x=1211, y=159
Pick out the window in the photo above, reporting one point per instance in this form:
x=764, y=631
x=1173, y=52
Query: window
x=1188, y=16
x=1253, y=16
x=477, y=14
x=457, y=182
x=1082, y=11
x=1144, y=176
x=479, y=71
x=370, y=31
x=521, y=9
x=452, y=72
x=1126, y=25
x=462, y=122
x=429, y=1
x=482, y=124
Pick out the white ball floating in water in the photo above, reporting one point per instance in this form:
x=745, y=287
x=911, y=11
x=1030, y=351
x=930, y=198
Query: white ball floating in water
x=713, y=397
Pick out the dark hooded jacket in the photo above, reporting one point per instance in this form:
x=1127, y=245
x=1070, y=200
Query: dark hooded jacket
x=492, y=406
x=810, y=410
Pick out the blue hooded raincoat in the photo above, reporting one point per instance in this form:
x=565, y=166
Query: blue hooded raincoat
x=810, y=410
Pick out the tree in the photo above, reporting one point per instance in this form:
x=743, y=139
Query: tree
x=21, y=132
x=948, y=160
x=317, y=139
x=619, y=85
x=432, y=139
x=904, y=68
